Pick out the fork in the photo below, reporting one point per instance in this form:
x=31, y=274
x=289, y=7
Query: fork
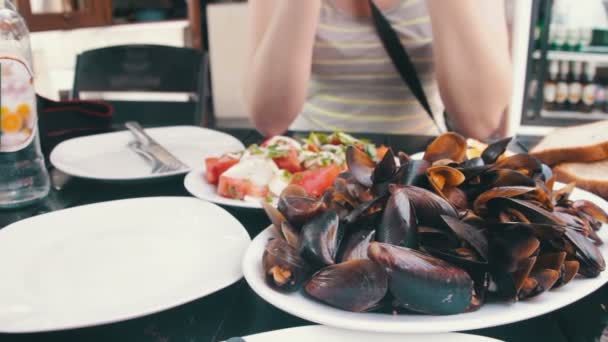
x=157, y=165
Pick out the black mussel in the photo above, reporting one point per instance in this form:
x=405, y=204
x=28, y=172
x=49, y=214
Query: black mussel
x=462, y=257
x=386, y=168
x=504, y=177
x=360, y=165
x=365, y=209
x=284, y=269
x=404, y=158
x=275, y=216
x=355, y=246
x=507, y=285
x=421, y=282
x=469, y=234
x=412, y=173
x=539, y=281
x=428, y=206
x=355, y=285
x=480, y=204
x=533, y=213
x=523, y=163
x=476, y=162
x=509, y=246
x=495, y=150
x=298, y=210
x=399, y=225
x=291, y=235
x=568, y=271
x=587, y=254
x=438, y=239
x=320, y=239
x=552, y=261
x=444, y=178
x=591, y=209
x=447, y=146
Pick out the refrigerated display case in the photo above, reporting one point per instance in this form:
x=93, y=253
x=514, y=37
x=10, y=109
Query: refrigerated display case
x=567, y=67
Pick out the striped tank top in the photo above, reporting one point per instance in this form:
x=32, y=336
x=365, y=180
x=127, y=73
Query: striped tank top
x=354, y=85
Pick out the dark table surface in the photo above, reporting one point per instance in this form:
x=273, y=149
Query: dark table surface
x=238, y=311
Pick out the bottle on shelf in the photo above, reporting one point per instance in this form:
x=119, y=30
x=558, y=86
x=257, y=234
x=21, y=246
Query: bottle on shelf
x=589, y=88
x=557, y=38
x=586, y=35
x=600, y=98
x=575, y=87
x=550, y=86
x=561, y=91
x=572, y=39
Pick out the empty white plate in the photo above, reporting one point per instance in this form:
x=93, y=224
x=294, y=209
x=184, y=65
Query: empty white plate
x=489, y=315
x=112, y=261
x=321, y=333
x=107, y=157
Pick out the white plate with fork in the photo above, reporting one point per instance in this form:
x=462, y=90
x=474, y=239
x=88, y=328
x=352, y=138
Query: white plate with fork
x=107, y=157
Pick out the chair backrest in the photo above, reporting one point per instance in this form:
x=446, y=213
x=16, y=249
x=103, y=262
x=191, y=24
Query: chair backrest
x=228, y=32
x=175, y=77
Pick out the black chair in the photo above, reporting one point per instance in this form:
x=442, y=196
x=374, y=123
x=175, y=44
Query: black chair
x=161, y=71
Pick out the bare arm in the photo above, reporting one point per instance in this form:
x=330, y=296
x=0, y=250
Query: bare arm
x=280, y=58
x=472, y=62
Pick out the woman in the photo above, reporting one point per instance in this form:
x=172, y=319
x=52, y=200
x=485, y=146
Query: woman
x=320, y=65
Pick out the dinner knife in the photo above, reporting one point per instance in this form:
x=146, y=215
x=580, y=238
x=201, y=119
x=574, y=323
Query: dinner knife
x=153, y=147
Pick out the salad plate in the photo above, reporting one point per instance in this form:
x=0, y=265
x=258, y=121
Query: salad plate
x=321, y=333
x=113, y=261
x=259, y=173
x=107, y=157
x=489, y=315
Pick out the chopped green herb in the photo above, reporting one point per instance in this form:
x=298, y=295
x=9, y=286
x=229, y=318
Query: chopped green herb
x=268, y=199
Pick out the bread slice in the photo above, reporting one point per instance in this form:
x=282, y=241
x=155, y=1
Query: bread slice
x=592, y=177
x=584, y=143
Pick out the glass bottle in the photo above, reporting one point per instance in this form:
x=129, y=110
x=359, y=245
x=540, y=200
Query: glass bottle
x=23, y=175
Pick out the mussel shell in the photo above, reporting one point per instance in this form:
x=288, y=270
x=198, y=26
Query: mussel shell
x=561, y=197
x=421, y=282
x=355, y=246
x=386, y=168
x=504, y=177
x=284, y=269
x=291, y=235
x=591, y=209
x=476, y=162
x=399, y=225
x=275, y=216
x=412, y=173
x=320, y=239
x=470, y=234
x=524, y=163
x=360, y=165
x=298, y=210
x=428, y=206
x=355, y=285
x=495, y=150
x=591, y=261
x=543, y=280
x=480, y=204
x=508, y=284
x=509, y=247
x=533, y=213
x=447, y=146
x=438, y=239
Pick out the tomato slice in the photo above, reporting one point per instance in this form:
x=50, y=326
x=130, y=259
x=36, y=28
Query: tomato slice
x=216, y=166
x=290, y=162
x=239, y=188
x=316, y=181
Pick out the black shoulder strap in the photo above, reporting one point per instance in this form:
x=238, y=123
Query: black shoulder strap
x=400, y=58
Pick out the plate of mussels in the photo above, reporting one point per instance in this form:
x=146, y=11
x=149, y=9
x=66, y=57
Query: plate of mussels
x=449, y=242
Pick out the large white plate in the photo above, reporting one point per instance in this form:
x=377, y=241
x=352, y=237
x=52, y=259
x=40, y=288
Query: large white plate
x=321, y=333
x=491, y=314
x=112, y=261
x=197, y=185
x=107, y=157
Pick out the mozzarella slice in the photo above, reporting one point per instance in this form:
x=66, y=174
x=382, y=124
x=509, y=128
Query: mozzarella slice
x=258, y=171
